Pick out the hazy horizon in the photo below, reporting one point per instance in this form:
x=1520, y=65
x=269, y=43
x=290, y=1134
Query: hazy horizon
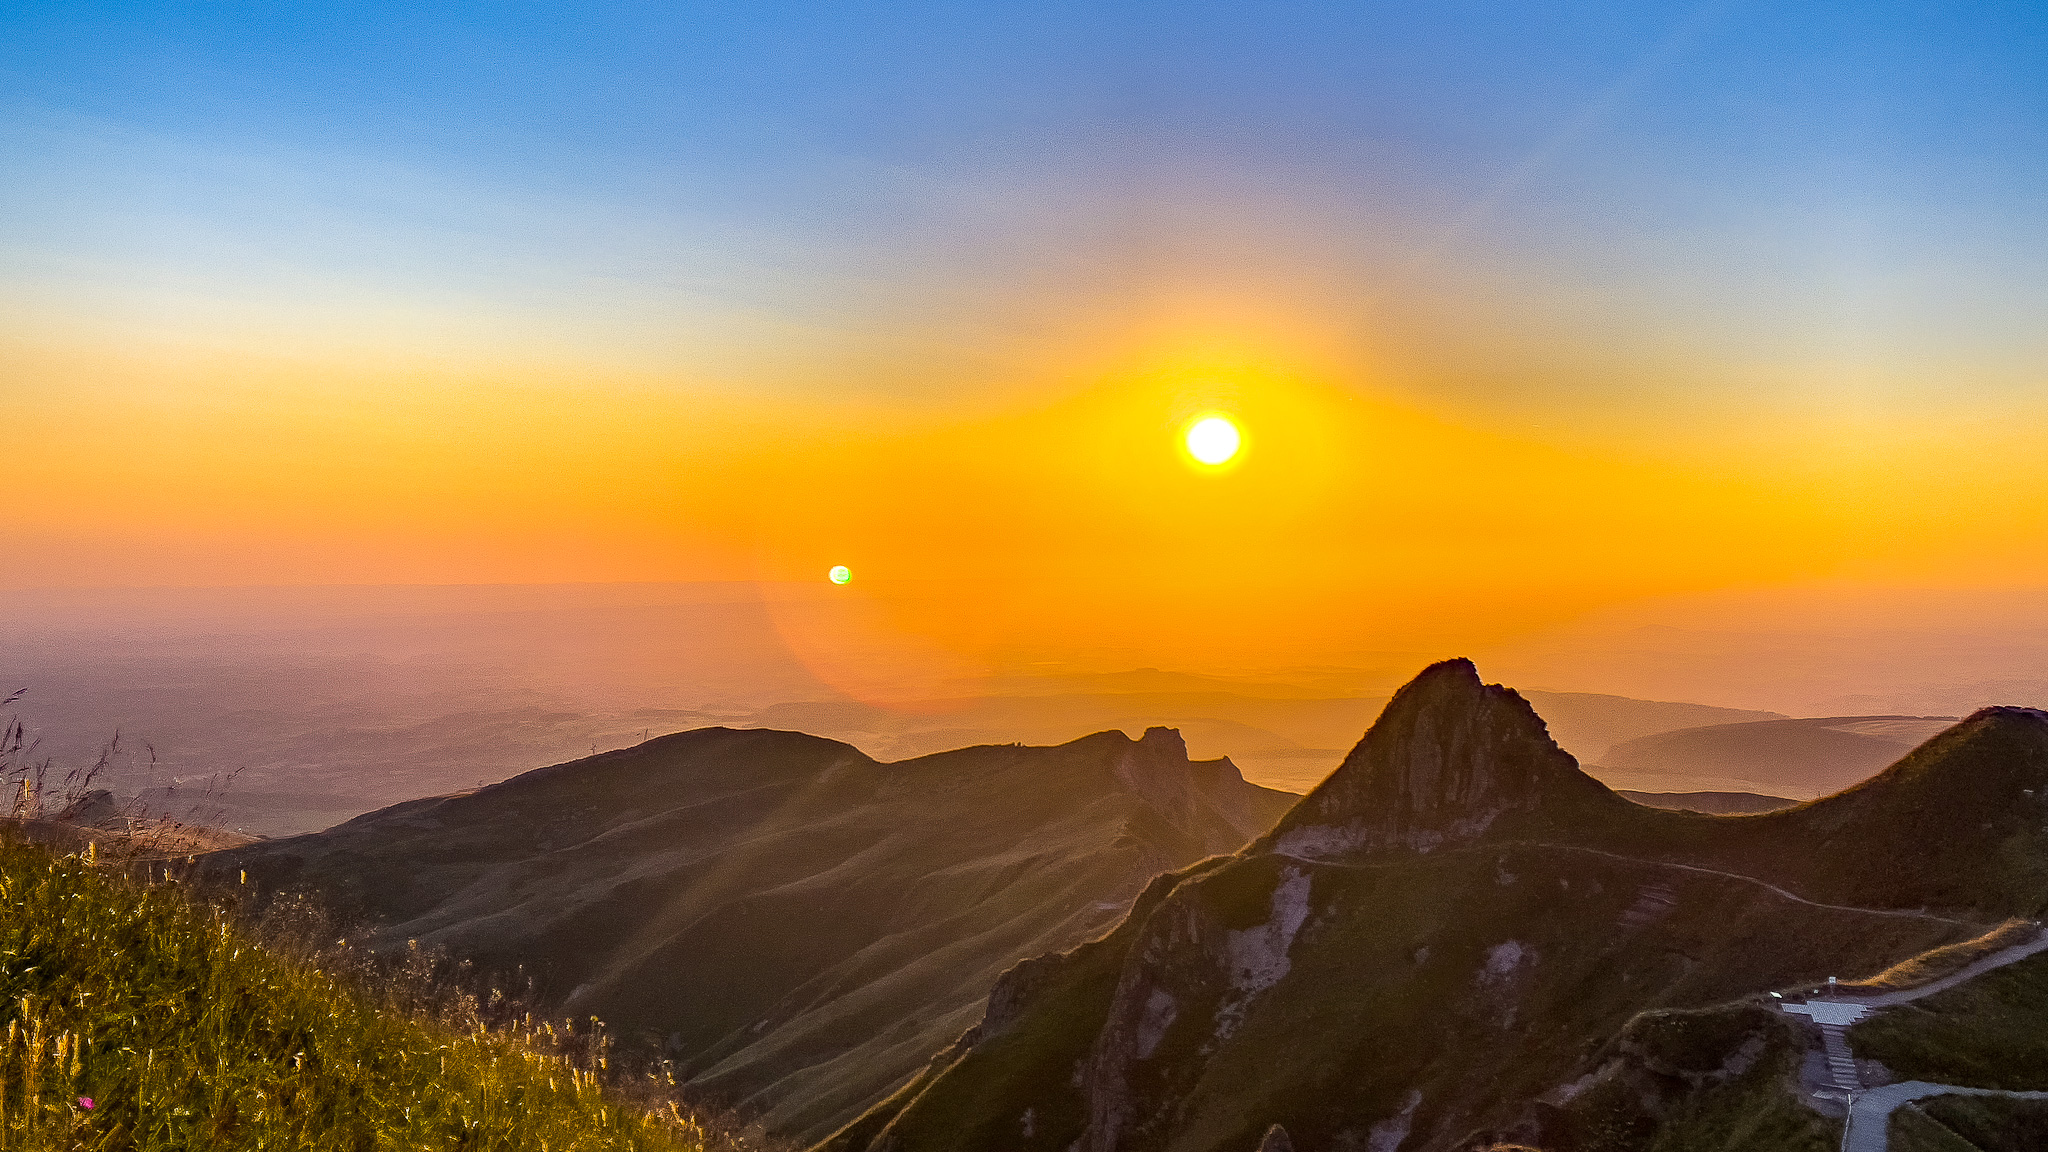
x=337, y=700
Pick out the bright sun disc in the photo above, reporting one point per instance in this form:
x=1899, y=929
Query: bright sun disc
x=840, y=574
x=1213, y=439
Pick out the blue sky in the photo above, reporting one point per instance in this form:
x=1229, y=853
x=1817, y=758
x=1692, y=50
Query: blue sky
x=1819, y=180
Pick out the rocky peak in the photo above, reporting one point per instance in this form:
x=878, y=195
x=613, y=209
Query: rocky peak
x=1165, y=742
x=1208, y=801
x=1448, y=757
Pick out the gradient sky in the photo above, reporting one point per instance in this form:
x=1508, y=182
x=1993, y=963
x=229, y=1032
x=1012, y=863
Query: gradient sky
x=1527, y=314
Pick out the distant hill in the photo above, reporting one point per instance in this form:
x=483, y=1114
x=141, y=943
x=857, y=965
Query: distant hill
x=1809, y=757
x=1587, y=724
x=1461, y=938
x=1712, y=803
x=797, y=925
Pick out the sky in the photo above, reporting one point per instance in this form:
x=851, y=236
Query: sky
x=1529, y=314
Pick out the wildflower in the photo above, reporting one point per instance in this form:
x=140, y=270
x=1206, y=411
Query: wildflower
x=85, y=1102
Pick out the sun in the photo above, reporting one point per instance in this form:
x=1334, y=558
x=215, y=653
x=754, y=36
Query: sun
x=839, y=574
x=1213, y=440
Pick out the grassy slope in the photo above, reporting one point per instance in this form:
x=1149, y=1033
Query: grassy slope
x=1383, y=999
x=1707, y=1080
x=683, y=864
x=186, y=1034
x=1987, y=1033
x=979, y=1097
x=1396, y=955
x=1970, y=1124
x=1947, y=960
x=1955, y=827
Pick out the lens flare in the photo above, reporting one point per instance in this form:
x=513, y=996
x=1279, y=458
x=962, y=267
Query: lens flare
x=1213, y=440
x=840, y=574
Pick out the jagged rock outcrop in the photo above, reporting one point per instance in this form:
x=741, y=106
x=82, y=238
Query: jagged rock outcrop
x=1460, y=941
x=1448, y=758
x=1203, y=800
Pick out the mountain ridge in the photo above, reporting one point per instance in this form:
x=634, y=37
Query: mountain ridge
x=817, y=922
x=1447, y=942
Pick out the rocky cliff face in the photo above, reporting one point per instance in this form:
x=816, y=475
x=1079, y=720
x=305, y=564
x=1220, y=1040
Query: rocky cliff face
x=1443, y=945
x=1192, y=968
x=1448, y=758
x=1206, y=801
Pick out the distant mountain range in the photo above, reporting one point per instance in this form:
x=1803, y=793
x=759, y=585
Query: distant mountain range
x=797, y=925
x=316, y=725
x=1280, y=735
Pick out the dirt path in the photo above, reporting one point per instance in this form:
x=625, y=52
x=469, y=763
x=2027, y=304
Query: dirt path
x=1764, y=884
x=1795, y=898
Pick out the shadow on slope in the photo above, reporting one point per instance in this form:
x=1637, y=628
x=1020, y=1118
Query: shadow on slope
x=797, y=925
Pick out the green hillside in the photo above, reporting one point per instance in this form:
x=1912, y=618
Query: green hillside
x=136, y=1018
x=1987, y=1033
x=1970, y=1124
x=1461, y=938
x=795, y=925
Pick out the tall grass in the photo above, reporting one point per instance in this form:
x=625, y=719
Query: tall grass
x=1947, y=960
x=133, y=1016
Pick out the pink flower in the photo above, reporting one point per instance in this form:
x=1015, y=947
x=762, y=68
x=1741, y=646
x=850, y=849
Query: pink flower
x=85, y=1102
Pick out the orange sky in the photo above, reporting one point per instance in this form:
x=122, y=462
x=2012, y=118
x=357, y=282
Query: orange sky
x=1050, y=514
x=1535, y=318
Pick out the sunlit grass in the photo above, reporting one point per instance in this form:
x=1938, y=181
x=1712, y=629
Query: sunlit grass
x=135, y=1017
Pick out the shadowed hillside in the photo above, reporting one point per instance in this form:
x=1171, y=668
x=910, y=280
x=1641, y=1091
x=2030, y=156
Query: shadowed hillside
x=1460, y=937
x=797, y=925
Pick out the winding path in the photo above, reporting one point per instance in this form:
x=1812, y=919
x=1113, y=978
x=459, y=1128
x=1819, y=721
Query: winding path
x=1870, y=1116
x=1794, y=897
x=1870, y=1112
x=1764, y=884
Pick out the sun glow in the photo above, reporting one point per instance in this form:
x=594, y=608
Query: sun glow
x=1213, y=440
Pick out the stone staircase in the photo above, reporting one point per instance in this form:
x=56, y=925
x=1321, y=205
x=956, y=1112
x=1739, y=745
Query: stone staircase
x=1834, y=1017
x=1834, y=1040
